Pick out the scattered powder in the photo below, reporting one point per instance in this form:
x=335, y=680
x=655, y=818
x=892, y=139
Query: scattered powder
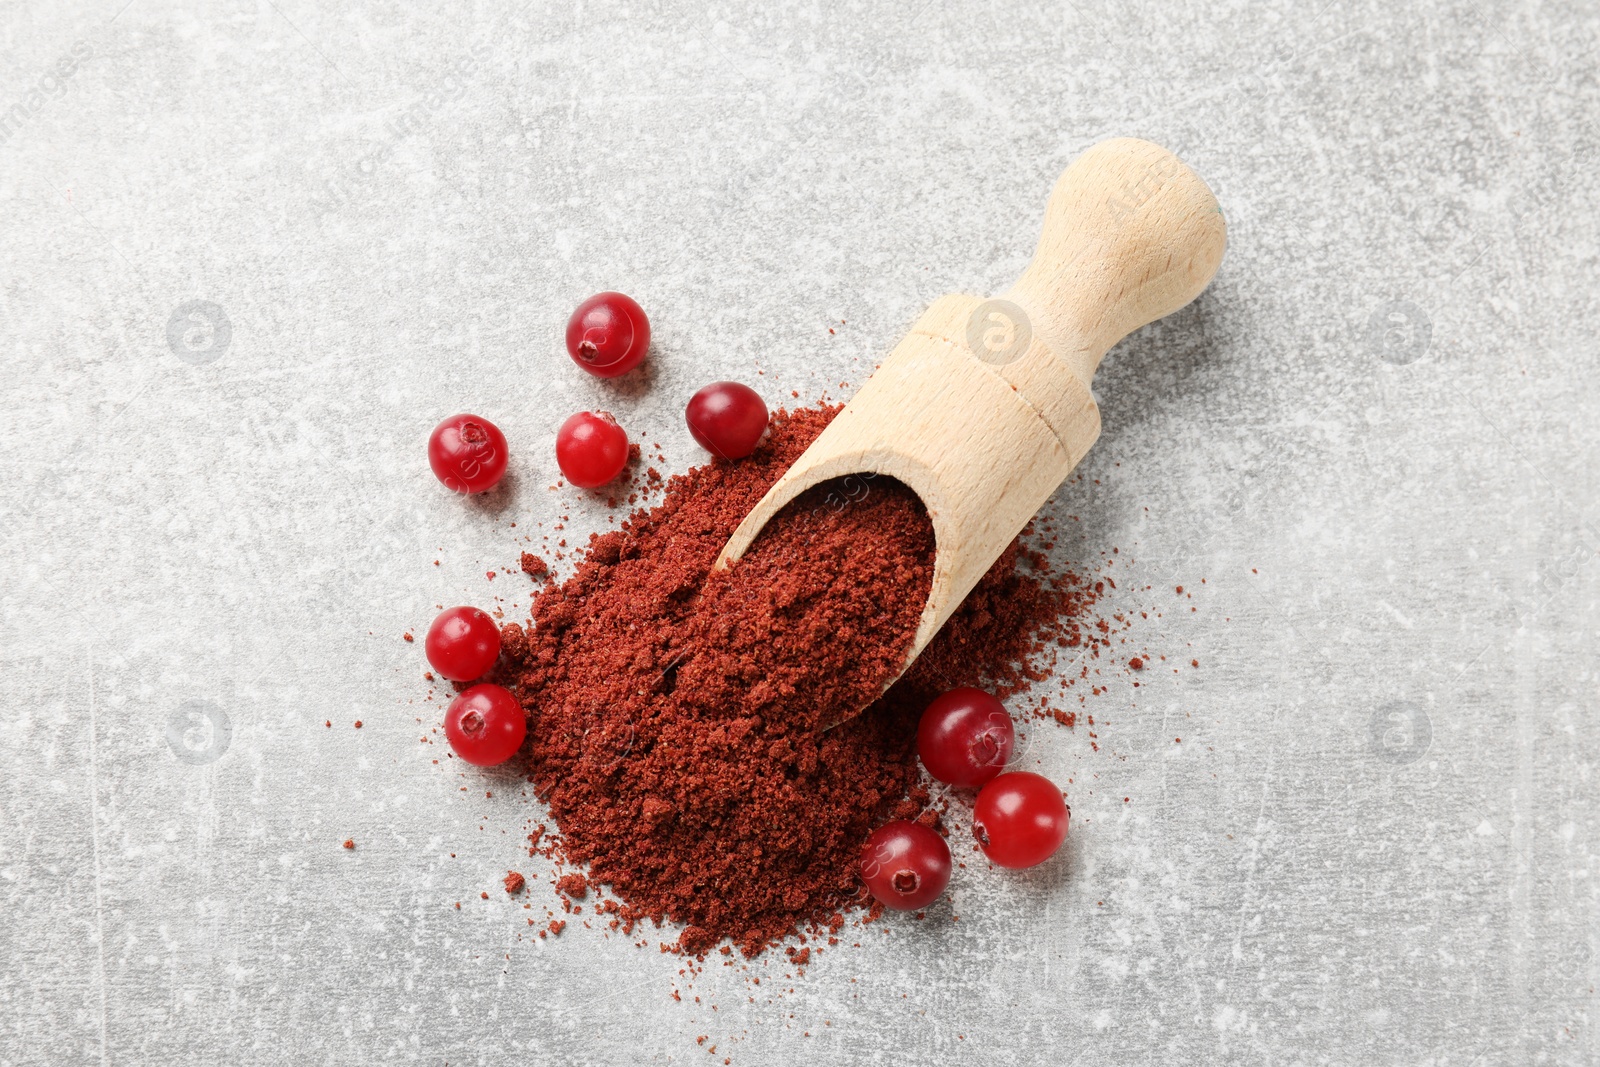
x=675, y=713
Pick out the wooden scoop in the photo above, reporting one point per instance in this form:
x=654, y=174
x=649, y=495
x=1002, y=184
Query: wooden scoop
x=984, y=408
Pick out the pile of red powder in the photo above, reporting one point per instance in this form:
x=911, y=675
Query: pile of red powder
x=676, y=714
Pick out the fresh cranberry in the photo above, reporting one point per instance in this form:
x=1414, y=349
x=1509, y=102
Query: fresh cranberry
x=467, y=454
x=1020, y=819
x=965, y=737
x=728, y=419
x=608, y=334
x=906, y=865
x=485, y=725
x=462, y=644
x=591, y=448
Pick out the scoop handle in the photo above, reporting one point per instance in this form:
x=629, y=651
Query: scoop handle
x=1131, y=234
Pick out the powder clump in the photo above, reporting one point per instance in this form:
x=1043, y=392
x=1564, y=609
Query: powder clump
x=676, y=715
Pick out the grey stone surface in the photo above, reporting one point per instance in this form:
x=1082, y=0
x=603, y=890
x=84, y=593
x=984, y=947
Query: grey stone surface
x=252, y=252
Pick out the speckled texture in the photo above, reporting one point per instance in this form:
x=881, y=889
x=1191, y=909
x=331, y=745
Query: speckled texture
x=1373, y=437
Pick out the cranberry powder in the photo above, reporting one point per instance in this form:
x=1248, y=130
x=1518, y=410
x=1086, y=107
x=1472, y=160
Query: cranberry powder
x=677, y=716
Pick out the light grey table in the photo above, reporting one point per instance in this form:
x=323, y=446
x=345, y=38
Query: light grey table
x=1373, y=438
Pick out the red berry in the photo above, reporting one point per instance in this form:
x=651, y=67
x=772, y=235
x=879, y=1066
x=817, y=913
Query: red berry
x=965, y=737
x=727, y=419
x=468, y=454
x=462, y=644
x=1020, y=819
x=905, y=865
x=591, y=449
x=608, y=334
x=485, y=725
